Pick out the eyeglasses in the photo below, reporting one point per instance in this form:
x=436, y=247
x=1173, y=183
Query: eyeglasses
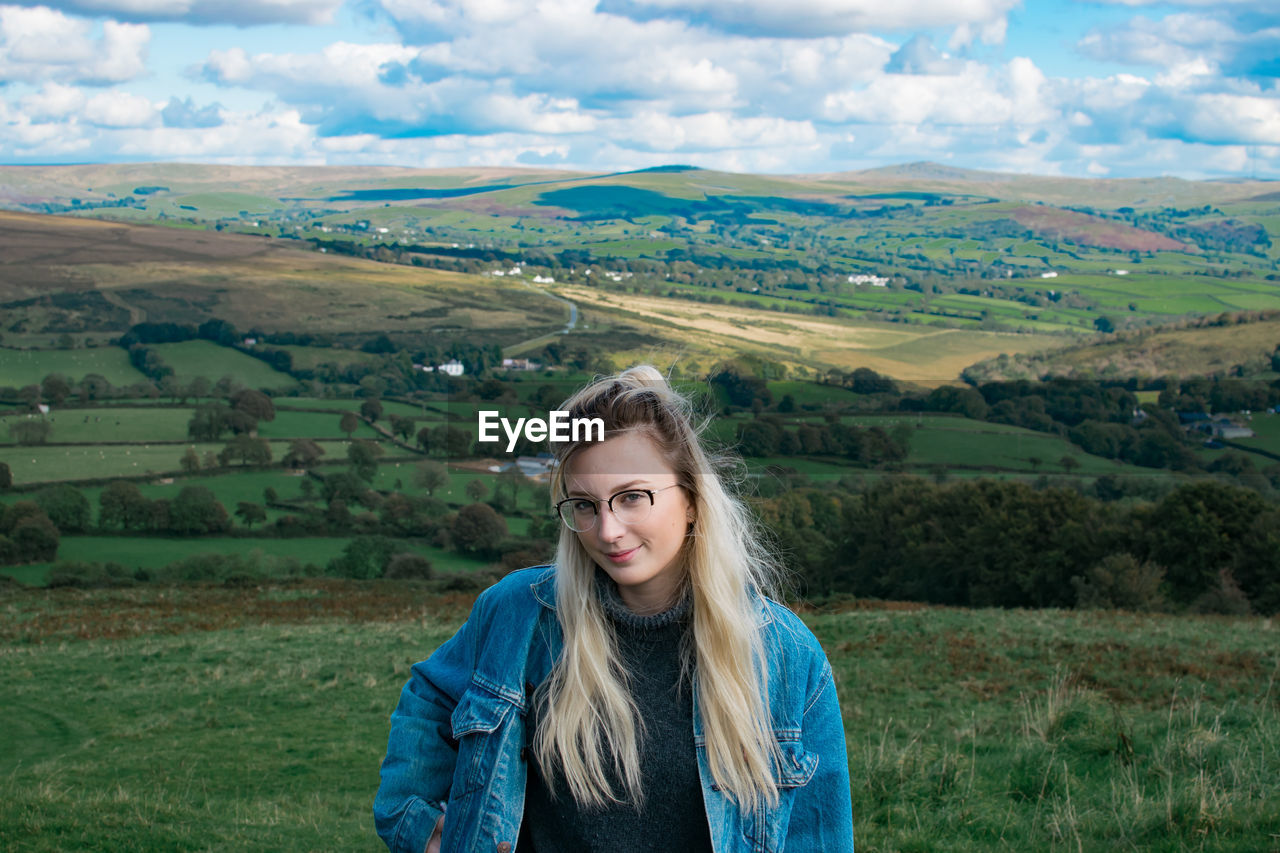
x=630, y=506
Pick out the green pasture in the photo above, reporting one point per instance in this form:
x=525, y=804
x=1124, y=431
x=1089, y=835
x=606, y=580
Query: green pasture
x=1266, y=429
x=255, y=720
x=1017, y=451
x=21, y=367
x=97, y=425
x=318, y=425
x=190, y=359
x=86, y=462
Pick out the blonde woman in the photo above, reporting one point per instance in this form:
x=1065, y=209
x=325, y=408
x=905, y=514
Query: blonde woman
x=640, y=694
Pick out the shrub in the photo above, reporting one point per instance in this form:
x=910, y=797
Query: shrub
x=408, y=565
x=1121, y=582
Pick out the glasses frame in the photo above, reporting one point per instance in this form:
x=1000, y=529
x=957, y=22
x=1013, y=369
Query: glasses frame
x=595, y=506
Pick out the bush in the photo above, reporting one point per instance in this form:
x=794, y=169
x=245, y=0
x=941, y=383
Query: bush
x=90, y=575
x=408, y=566
x=1120, y=582
x=1225, y=598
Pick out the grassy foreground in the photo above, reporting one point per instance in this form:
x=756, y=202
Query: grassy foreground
x=195, y=718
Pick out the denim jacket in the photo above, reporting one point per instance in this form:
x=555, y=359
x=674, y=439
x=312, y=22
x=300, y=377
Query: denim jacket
x=458, y=735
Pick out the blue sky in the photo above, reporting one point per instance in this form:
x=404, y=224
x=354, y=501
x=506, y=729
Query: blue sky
x=1111, y=88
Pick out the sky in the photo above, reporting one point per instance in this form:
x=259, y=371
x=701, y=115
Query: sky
x=1104, y=88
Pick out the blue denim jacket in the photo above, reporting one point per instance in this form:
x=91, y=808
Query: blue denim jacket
x=458, y=735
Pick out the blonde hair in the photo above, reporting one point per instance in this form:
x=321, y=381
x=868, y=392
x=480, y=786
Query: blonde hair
x=587, y=715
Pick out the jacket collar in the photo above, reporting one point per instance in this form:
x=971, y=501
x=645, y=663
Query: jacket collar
x=544, y=590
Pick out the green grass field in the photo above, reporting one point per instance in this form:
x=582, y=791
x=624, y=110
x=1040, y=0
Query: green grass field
x=255, y=719
x=84, y=462
x=27, y=367
x=190, y=359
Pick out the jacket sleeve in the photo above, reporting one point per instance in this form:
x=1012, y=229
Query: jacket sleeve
x=822, y=815
x=421, y=752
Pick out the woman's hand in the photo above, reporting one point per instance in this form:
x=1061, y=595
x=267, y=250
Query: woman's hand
x=433, y=843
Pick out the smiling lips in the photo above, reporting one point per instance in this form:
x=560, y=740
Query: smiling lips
x=623, y=556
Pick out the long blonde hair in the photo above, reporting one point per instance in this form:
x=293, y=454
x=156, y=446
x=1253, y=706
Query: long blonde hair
x=587, y=711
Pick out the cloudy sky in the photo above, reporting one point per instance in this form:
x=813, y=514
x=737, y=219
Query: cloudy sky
x=1102, y=88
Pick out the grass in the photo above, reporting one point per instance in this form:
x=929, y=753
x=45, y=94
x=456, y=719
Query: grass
x=255, y=719
x=52, y=464
x=27, y=367
x=190, y=359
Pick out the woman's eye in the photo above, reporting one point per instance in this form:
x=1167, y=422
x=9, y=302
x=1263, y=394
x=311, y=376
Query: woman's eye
x=631, y=497
x=584, y=506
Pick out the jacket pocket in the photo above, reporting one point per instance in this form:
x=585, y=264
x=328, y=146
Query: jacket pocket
x=478, y=727
x=766, y=826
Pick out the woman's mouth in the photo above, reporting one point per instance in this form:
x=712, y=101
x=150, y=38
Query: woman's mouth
x=622, y=556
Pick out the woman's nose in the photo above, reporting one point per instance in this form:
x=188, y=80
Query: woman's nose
x=608, y=526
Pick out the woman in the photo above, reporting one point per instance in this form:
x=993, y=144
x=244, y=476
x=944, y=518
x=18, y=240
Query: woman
x=640, y=694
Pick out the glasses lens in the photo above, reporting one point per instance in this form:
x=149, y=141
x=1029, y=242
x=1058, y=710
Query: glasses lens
x=578, y=516
x=632, y=507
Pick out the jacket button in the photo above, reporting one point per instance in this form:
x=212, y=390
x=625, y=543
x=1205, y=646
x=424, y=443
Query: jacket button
x=529, y=688
x=524, y=753
x=504, y=847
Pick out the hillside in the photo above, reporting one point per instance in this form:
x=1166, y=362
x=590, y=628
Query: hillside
x=915, y=270
x=90, y=277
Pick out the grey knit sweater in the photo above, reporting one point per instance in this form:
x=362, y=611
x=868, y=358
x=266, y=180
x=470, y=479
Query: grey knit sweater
x=672, y=815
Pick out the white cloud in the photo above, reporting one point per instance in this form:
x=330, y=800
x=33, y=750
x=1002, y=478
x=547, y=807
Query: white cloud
x=973, y=95
x=53, y=102
x=119, y=109
x=237, y=12
x=41, y=45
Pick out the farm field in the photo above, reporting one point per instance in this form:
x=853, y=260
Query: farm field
x=83, y=462
x=190, y=359
x=255, y=719
x=19, y=367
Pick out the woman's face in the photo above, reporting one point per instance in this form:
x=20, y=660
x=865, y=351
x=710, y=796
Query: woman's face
x=642, y=557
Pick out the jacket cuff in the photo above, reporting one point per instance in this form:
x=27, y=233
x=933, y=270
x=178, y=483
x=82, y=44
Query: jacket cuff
x=415, y=826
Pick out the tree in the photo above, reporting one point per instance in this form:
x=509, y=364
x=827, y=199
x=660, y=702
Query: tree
x=371, y=410
x=255, y=404
x=250, y=513
x=190, y=461
x=363, y=456
x=1069, y=463
x=121, y=504
x=208, y=422
x=302, y=453
x=402, y=426
x=424, y=439
x=6, y=475
x=30, y=431
x=477, y=528
x=430, y=476
x=55, y=388
x=364, y=558
x=349, y=423
x=197, y=510
x=246, y=448
x=65, y=506
x=476, y=490
x=199, y=387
